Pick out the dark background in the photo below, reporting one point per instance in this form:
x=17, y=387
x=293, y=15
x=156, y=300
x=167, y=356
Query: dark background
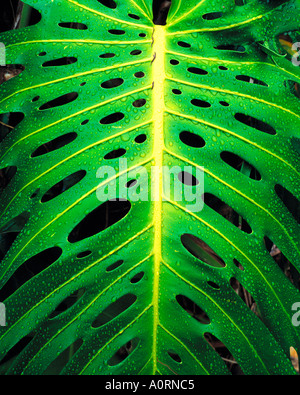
x=8, y=14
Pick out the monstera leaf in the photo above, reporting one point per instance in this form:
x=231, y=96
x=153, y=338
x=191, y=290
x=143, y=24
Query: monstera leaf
x=118, y=130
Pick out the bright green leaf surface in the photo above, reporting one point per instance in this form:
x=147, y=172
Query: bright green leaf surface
x=209, y=72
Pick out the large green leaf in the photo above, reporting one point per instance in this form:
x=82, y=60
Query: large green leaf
x=144, y=285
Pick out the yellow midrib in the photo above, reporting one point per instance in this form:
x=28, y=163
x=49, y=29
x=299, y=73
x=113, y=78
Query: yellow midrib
x=158, y=125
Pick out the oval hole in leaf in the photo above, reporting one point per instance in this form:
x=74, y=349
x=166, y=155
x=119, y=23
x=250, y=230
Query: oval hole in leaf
x=187, y=178
x=174, y=62
x=117, y=32
x=224, y=353
x=60, y=62
x=193, y=309
x=63, y=185
x=113, y=83
x=67, y=303
x=141, y=138
x=174, y=356
x=60, y=101
x=200, y=250
x=17, y=349
x=55, y=144
x=212, y=16
x=114, y=310
x=73, y=25
x=115, y=154
x=35, y=193
x=289, y=200
x=102, y=217
x=114, y=266
x=139, y=74
x=239, y=164
x=7, y=174
x=191, y=139
x=255, y=123
x=107, y=55
x=200, y=103
x=136, y=52
x=137, y=278
x=139, y=103
x=124, y=352
x=10, y=121
x=84, y=254
x=250, y=80
x=287, y=268
x=112, y=118
x=176, y=91
x=213, y=285
x=227, y=212
x=133, y=16
x=238, y=265
x=10, y=231
x=197, y=70
x=224, y=104
x=183, y=44
x=60, y=362
x=131, y=183
x=108, y=3
x=35, y=17
x=14, y=118
x=245, y=295
x=29, y=269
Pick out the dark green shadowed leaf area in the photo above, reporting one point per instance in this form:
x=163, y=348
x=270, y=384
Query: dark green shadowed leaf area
x=150, y=188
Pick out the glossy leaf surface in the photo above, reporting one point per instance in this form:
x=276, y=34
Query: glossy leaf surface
x=143, y=285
